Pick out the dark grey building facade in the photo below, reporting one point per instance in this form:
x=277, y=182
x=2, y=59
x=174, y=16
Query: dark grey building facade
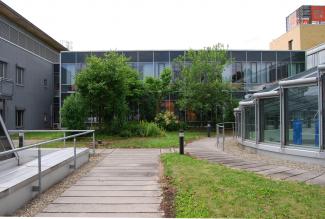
x=28, y=59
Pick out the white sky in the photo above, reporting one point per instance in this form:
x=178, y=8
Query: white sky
x=160, y=24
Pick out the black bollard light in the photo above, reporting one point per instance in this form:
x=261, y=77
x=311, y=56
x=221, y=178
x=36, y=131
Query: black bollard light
x=181, y=141
x=209, y=130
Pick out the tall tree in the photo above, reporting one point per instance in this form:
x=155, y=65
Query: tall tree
x=200, y=85
x=104, y=84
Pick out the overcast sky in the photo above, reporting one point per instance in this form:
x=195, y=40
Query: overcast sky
x=160, y=24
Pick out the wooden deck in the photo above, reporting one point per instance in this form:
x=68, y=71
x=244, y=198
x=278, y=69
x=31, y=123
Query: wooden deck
x=124, y=184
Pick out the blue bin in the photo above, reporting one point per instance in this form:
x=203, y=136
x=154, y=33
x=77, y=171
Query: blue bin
x=297, y=131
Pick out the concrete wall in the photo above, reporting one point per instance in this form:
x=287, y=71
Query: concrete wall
x=304, y=37
x=33, y=97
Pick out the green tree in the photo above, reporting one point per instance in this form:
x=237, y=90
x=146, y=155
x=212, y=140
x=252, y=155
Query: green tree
x=200, y=85
x=73, y=112
x=157, y=89
x=105, y=84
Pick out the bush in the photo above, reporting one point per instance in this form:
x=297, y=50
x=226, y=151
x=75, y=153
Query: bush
x=142, y=129
x=167, y=120
x=73, y=112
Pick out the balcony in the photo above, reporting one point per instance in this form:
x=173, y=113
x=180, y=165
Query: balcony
x=6, y=88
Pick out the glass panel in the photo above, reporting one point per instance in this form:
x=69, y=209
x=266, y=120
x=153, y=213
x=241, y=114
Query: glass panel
x=159, y=67
x=283, y=56
x=282, y=70
x=68, y=73
x=146, y=56
x=268, y=56
x=132, y=55
x=161, y=56
x=81, y=56
x=238, y=55
x=146, y=69
x=68, y=57
x=302, y=124
x=253, y=56
x=238, y=74
x=298, y=56
x=249, y=122
x=270, y=119
x=175, y=54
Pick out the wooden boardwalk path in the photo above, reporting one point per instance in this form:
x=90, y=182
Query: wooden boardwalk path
x=124, y=184
x=206, y=149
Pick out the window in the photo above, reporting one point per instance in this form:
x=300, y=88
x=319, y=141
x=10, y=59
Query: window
x=3, y=69
x=19, y=118
x=302, y=122
x=19, y=76
x=270, y=119
x=249, y=122
x=290, y=44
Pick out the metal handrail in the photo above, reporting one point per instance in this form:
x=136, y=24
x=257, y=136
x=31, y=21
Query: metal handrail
x=222, y=126
x=39, y=144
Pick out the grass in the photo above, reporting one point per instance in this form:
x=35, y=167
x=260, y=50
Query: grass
x=169, y=140
x=212, y=190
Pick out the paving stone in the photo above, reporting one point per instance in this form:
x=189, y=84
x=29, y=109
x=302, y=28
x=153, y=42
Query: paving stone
x=287, y=174
x=261, y=168
x=320, y=180
x=121, y=178
x=303, y=177
x=116, y=183
x=106, y=215
x=107, y=208
x=274, y=170
x=111, y=193
x=108, y=200
x=114, y=188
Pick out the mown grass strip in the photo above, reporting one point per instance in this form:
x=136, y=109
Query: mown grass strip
x=212, y=190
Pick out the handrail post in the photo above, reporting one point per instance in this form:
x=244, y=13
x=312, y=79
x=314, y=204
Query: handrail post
x=217, y=135
x=64, y=135
x=94, y=143
x=74, y=154
x=39, y=157
x=223, y=137
x=233, y=130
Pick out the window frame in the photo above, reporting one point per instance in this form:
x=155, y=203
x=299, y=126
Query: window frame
x=19, y=118
x=20, y=71
x=3, y=69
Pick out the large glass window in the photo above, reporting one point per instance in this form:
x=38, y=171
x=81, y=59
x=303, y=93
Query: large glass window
x=270, y=119
x=249, y=122
x=146, y=68
x=302, y=123
x=68, y=73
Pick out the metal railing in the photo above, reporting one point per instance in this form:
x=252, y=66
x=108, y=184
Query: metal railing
x=222, y=126
x=39, y=147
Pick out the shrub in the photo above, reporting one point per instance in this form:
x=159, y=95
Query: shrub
x=167, y=120
x=151, y=129
x=73, y=112
x=142, y=129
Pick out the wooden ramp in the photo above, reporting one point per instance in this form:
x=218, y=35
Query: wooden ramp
x=124, y=184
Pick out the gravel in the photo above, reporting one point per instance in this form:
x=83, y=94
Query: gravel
x=41, y=201
x=233, y=147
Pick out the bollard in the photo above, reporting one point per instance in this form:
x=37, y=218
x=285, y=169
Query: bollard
x=181, y=141
x=21, y=140
x=209, y=130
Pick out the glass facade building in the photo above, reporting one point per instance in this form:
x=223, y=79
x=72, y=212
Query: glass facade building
x=249, y=70
x=289, y=116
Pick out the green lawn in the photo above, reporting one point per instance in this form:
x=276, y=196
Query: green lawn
x=211, y=190
x=170, y=140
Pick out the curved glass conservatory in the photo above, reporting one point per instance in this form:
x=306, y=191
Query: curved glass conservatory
x=287, y=118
